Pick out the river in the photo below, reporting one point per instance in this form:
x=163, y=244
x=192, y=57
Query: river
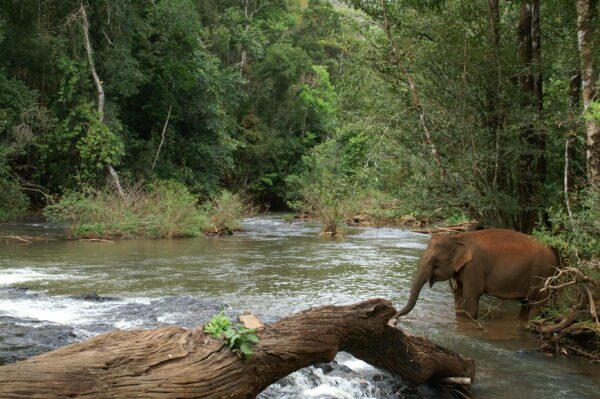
x=272, y=268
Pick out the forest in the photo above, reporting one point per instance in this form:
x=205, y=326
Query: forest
x=172, y=118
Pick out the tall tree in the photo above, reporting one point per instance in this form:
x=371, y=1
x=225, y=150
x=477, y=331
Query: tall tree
x=82, y=15
x=533, y=163
x=585, y=10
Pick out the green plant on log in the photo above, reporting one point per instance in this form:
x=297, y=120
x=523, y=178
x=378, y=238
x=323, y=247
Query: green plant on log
x=237, y=337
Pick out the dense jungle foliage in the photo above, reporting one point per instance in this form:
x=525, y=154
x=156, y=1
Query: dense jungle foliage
x=392, y=110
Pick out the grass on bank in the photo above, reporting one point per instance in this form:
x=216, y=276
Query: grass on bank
x=164, y=209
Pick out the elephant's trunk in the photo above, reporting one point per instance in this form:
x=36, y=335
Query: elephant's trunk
x=415, y=289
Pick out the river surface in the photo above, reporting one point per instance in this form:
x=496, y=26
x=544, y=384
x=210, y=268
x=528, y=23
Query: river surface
x=273, y=268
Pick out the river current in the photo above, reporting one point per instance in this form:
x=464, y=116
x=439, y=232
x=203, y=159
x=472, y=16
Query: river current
x=273, y=268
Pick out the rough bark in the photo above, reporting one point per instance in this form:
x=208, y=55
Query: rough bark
x=585, y=9
x=173, y=362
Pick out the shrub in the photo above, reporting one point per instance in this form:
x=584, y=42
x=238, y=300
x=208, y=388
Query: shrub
x=13, y=203
x=579, y=236
x=165, y=209
x=323, y=189
x=224, y=212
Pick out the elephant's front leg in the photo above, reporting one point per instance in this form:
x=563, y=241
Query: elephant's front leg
x=470, y=302
x=458, y=297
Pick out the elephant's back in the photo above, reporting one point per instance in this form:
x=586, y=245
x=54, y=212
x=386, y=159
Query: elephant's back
x=504, y=242
x=494, y=237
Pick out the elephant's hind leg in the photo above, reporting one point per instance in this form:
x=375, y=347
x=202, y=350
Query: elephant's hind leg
x=536, y=298
x=525, y=309
x=537, y=301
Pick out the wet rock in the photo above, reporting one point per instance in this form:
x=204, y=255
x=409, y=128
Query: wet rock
x=336, y=369
x=94, y=297
x=23, y=338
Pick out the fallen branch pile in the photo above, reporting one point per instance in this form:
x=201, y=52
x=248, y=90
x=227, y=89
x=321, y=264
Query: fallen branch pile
x=576, y=331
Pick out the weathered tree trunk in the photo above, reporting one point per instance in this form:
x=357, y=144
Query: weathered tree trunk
x=173, y=362
x=585, y=8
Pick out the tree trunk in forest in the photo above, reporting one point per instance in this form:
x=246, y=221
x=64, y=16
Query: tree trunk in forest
x=585, y=9
x=568, y=177
x=99, y=88
x=495, y=118
x=173, y=362
x=533, y=161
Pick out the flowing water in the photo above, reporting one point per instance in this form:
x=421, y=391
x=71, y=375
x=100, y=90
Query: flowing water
x=273, y=268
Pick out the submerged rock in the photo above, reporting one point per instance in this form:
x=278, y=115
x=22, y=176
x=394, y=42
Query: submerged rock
x=23, y=338
x=94, y=297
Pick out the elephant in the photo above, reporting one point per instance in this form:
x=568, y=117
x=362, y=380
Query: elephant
x=502, y=263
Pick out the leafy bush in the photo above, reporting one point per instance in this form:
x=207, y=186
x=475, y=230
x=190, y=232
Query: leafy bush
x=456, y=218
x=237, y=337
x=13, y=203
x=578, y=237
x=165, y=209
x=323, y=189
x=224, y=212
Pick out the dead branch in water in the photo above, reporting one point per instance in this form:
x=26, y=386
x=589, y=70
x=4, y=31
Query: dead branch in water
x=578, y=330
x=454, y=229
x=17, y=238
x=96, y=240
x=26, y=239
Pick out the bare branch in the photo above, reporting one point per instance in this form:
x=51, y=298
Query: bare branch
x=162, y=137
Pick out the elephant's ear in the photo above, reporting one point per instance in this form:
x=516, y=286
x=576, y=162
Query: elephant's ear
x=462, y=256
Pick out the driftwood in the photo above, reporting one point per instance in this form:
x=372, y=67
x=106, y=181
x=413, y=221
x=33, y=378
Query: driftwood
x=173, y=362
x=454, y=229
x=26, y=239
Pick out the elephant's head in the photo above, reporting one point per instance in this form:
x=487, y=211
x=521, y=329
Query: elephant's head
x=445, y=255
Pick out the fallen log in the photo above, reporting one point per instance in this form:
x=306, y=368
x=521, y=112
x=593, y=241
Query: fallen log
x=454, y=229
x=173, y=362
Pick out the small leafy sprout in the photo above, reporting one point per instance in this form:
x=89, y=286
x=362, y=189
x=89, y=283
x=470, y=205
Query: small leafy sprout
x=237, y=337
x=217, y=325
